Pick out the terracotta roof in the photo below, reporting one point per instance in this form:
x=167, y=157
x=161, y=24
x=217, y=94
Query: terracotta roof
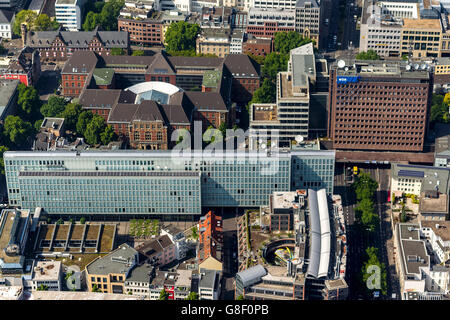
x=81, y=62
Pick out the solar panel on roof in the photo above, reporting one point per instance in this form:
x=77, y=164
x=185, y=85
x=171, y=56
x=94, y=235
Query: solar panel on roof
x=410, y=173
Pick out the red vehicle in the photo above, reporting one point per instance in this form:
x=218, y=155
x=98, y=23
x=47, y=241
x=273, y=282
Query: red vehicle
x=389, y=195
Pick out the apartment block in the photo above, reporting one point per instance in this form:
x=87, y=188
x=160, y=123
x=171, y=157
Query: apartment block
x=158, y=252
x=47, y=274
x=144, y=27
x=210, y=244
x=308, y=20
x=422, y=37
x=214, y=41
x=392, y=109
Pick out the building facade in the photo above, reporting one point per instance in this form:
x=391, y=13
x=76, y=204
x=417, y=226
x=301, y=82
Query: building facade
x=156, y=183
x=265, y=22
x=391, y=110
x=69, y=13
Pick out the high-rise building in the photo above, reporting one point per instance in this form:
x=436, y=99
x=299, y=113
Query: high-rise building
x=307, y=19
x=158, y=182
x=69, y=13
x=379, y=105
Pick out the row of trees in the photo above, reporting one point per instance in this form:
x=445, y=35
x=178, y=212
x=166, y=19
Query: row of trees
x=369, y=55
x=164, y=295
x=102, y=14
x=34, y=22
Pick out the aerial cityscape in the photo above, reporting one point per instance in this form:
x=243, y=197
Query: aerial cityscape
x=224, y=150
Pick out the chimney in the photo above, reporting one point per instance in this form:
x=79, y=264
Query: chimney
x=23, y=29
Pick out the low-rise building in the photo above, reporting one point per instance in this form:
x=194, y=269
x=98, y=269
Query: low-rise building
x=77, y=73
x=256, y=46
x=158, y=252
x=24, y=66
x=237, y=39
x=283, y=206
x=47, y=275
x=437, y=234
x=108, y=274
x=265, y=22
x=14, y=229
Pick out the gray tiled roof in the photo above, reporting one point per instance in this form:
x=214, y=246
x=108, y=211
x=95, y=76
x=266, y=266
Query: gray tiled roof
x=175, y=114
x=79, y=39
x=115, y=262
x=6, y=16
x=81, y=62
x=208, y=279
x=99, y=98
x=240, y=65
x=7, y=89
x=146, y=111
x=207, y=100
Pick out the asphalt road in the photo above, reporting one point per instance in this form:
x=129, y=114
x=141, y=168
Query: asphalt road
x=230, y=267
x=350, y=38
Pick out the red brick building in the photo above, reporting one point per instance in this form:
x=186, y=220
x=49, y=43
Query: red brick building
x=210, y=238
x=257, y=46
x=268, y=29
x=379, y=106
x=146, y=31
x=60, y=45
x=77, y=73
x=245, y=74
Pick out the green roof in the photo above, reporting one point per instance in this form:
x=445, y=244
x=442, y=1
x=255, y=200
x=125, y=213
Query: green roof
x=211, y=78
x=103, y=76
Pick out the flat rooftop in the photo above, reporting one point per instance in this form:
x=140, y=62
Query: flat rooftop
x=47, y=270
x=287, y=91
x=11, y=224
x=118, y=261
x=264, y=112
x=422, y=24
x=10, y=292
x=437, y=205
x=286, y=200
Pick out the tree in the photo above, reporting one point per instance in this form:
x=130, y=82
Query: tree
x=367, y=270
x=223, y=129
x=2, y=162
x=83, y=220
x=25, y=16
x=94, y=129
x=60, y=221
x=403, y=216
x=92, y=20
x=108, y=135
x=369, y=55
x=37, y=124
x=110, y=12
x=181, y=36
x=265, y=94
x=240, y=297
x=163, y=295
x=95, y=288
x=365, y=212
x=17, y=131
x=258, y=59
x=83, y=120
x=44, y=23
x=138, y=53
x=117, y=52
x=70, y=115
x=192, y=296
x=28, y=101
x=274, y=63
x=42, y=287
x=284, y=42
x=54, y=107
x=364, y=186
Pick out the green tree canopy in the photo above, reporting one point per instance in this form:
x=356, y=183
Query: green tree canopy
x=70, y=115
x=2, y=162
x=138, y=53
x=28, y=101
x=364, y=186
x=192, y=296
x=92, y=20
x=54, y=107
x=84, y=119
x=163, y=295
x=117, y=52
x=274, y=63
x=181, y=36
x=37, y=124
x=24, y=16
x=284, y=42
x=94, y=129
x=108, y=135
x=367, y=270
x=44, y=23
x=17, y=131
x=266, y=93
x=365, y=212
x=109, y=14
x=369, y=55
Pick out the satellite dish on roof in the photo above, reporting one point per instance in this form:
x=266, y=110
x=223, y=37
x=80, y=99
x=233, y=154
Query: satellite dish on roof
x=341, y=64
x=408, y=67
x=423, y=66
x=299, y=139
x=416, y=66
x=346, y=68
x=263, y=146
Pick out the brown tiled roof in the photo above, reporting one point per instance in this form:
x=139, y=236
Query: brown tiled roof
x=81, y=62
x=146, y=111
x=240, y=65
x=99, y=98
x=175, y=114
x=207, y=101
x=209, y=62
x=127, y=96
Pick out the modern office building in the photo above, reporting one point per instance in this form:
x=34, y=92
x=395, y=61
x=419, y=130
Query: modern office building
x=379, y=105
x=69, y=13
x=307, y=19
x=421, y=37
x=159, y=182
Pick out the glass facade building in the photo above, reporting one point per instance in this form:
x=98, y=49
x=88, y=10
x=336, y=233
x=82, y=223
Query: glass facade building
x=158, y=182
